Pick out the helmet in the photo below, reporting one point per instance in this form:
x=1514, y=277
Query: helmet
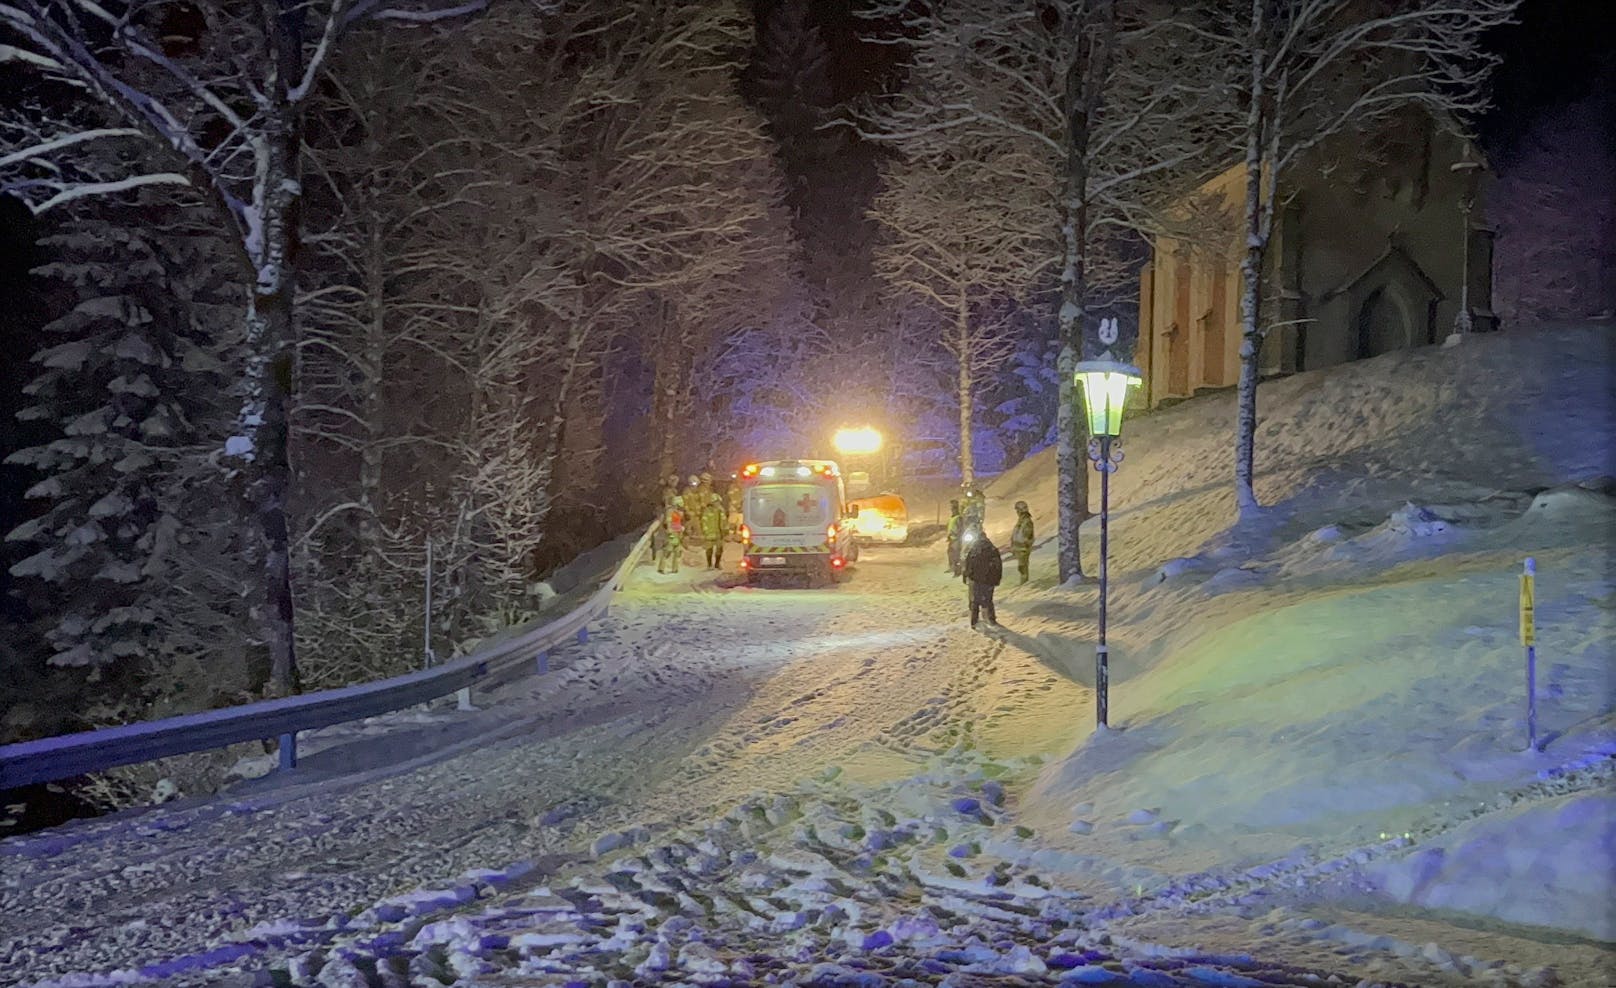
x=673, y=479
x=953, y=505
x=678, y=501
x=1021, y=506
x=706, y=477
x=694, y=480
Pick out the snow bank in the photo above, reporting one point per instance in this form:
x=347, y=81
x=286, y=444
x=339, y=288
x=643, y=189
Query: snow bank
x=1548, y=864
x=1345, y=665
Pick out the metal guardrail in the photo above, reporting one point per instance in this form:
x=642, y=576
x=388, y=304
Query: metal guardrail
x=69, y=755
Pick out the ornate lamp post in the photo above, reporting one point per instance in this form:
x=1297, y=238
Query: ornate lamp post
x=1104, y=385
x=1467, y=170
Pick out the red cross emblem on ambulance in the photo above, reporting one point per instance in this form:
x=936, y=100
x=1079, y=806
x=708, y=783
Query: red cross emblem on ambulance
x=806, y=504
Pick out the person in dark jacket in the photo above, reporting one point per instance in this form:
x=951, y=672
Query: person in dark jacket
x=983, y=571
x=1021, y=539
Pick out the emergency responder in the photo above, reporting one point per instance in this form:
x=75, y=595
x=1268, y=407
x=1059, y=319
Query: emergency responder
x=704, y=488
x=983, y=571
x=670, y=489
x=974, y=507
x=955, y=531
x=674, y=522
x=733, y=506
x=1021, y=538
x=954, y=537
x=659, y=536
x=712, y=531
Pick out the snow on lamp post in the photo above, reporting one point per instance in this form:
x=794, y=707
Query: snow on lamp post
x=1104, y=385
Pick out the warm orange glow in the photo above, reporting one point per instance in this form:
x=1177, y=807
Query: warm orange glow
x=856, y=442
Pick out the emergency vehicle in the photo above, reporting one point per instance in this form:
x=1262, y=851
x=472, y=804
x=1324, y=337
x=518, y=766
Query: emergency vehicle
x=795, y=520
x=881, y=518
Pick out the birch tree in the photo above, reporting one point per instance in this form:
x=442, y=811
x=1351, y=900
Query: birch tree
x=1107, y=108
x=220, y=89
x=1315, y=70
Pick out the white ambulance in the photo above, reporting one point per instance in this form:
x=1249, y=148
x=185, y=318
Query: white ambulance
x=795, y=520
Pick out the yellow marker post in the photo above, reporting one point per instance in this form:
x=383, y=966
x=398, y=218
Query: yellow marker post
x=1529, y=639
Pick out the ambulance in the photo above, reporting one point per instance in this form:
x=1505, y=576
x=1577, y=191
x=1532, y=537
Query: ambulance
x=795, y=520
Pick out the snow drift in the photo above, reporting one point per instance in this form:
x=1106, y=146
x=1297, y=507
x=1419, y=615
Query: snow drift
x=1345, y=665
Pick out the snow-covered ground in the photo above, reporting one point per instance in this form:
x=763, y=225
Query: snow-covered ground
x=1314, y=771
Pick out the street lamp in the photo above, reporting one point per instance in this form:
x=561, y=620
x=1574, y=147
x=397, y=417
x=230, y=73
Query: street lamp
x=1467, y=170
x=1104, y=385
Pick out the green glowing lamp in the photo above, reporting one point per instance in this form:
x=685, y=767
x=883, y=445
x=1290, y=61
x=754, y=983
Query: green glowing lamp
x=1105, y=385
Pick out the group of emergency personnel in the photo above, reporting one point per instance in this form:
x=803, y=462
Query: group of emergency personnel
x=974, y=558
x=694, y=514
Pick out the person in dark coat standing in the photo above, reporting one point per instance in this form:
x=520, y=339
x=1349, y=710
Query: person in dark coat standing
x=983, y=571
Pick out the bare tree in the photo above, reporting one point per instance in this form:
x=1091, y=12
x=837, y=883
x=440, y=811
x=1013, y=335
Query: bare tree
x=1107, y=110
x=220, y=89
x=957, y=236
x=1315, y=70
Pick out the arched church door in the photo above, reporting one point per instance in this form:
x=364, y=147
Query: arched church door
x=1382, y=325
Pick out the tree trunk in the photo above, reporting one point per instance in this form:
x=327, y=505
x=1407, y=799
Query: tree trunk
x=962, y=327
x=1251, y=271
x=278, y=195
x=1072, y=487
x=375, y=358
x=1086, y=78
x=271, y=488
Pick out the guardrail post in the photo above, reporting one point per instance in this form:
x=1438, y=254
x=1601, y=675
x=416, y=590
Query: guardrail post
x=463, y=699
x=583, y=635
x=543, y=661
x=288, y=751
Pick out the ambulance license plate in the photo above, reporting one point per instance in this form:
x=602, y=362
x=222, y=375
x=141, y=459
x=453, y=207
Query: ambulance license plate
x=772, y=561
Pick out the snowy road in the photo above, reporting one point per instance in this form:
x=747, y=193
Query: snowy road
x=692, y=697
x=727, y=785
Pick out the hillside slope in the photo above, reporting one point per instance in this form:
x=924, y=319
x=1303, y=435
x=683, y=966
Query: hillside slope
x=1342, y=674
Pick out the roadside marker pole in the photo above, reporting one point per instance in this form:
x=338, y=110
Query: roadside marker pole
x=1529, y=639
x=288, y=751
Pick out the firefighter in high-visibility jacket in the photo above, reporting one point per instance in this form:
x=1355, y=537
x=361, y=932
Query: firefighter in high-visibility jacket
x=1021, y=539
x=954, y=523
x=674, y=521
x=712, y=531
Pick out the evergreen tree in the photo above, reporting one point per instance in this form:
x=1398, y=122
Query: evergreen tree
x=131, y=558
x=791, y=78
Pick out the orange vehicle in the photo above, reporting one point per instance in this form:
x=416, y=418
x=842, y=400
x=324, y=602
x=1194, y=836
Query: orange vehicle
x=880, y=518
